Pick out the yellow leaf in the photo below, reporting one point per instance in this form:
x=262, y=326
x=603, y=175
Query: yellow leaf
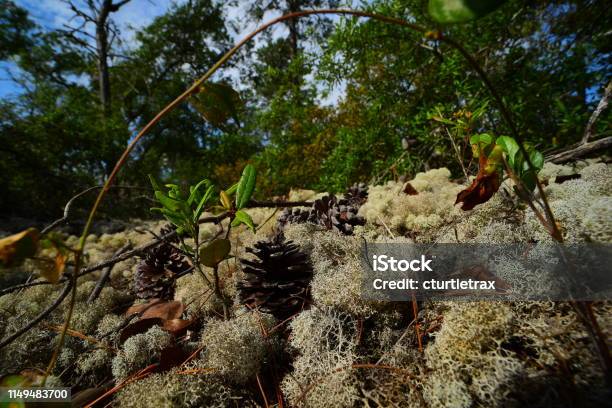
x=53, y=270
x=16, y=248
x=225, y=200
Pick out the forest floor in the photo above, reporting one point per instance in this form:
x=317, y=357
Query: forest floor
x=342, y=350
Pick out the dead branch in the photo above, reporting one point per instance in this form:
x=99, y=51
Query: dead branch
x=581, y=150
x=215, y=219
x=38, y=318
x=601, y=106
x=106, y=274
x=278, y=203
x=68, y=205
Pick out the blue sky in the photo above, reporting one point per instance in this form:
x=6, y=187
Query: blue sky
x=52, y=14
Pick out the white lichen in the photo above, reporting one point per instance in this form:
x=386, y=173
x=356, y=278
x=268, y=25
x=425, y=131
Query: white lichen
x=140, y=350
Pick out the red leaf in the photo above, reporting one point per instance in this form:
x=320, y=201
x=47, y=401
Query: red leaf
x=165, y=310
x=176, y=326
x=410, y=190
x=482, y=188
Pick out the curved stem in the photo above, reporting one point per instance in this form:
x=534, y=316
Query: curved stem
x=554, y=229
x=171, y=107
x=194, y=88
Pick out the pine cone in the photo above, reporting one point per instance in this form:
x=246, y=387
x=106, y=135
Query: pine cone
x=295, y=216
x=166, y=229
x=337, y=215
x=156, y=275
x=357, y=194
x=329, y=212
x=278, y=281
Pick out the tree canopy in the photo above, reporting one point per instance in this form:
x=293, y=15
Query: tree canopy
x=400, y=102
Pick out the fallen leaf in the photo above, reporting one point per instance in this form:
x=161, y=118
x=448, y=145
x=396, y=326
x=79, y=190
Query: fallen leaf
x=165, y=310
x=17, y=247
x=141, y=307
x=409, y=189
x=563, y=179
x=177, y=327
x=53, y=271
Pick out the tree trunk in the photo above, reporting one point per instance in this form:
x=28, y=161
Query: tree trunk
x=102, y=51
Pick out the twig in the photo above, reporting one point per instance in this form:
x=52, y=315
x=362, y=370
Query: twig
x=68, y=206
x=134, y=377
x=275, y=204
x=399, y=340
x=263, y=393
x=67, y=210
x=106, y=274
x=459, y=158
x=38, y=318
x=77, y=334
x=581, y=151
x=601, y=106
x=386, y=227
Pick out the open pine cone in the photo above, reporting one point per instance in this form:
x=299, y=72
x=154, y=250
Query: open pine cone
x=329, y=212
x=278, y=280
x=337, y=215
x=156, y=274
x=357, y=194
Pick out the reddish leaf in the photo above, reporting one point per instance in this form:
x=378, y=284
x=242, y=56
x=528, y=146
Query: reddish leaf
x=165, y=310
x=410, y=190
x=563, y=179
x=483, y=187
x=177, y=327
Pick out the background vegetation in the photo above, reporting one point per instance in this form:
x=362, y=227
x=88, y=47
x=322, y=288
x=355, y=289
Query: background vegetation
x=405, y=99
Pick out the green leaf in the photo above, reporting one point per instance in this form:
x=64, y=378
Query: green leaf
x=483, y=139
x=480, y=142
x=174, y=192
x=154, y=183
x=232, y=189
x=217, y=102
x=510, y=147
x=15, y=248
x=187, y=248
x=215, y=252
x=174, y=217
x=246, y=186
x=242, y=217
x=460, y=11
x=529, y=180
x=195, y=191
x=537, y=159
x=167, y=202
x=202, y=203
